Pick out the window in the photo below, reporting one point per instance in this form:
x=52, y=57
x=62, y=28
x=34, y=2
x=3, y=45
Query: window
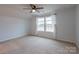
x=40, y=24
x=46, y=23
x=50, y=23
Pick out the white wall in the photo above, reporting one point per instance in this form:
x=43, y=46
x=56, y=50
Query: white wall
x=66, y=24
x=12, y=27
x=77, y=25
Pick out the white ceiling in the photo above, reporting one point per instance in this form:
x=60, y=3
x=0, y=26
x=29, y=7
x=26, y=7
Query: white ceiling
x=18, y=11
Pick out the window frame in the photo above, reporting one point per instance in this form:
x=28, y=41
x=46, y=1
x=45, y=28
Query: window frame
x=45, y=23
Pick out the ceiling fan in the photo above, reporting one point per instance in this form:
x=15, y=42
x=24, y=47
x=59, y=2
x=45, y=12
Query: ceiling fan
x=33, y=8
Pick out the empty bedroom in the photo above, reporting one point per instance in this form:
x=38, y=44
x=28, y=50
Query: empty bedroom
x=39, y=29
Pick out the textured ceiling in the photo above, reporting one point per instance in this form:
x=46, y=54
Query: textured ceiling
x=18, y=11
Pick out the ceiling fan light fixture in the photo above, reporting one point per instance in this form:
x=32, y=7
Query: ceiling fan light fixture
x=33, y=10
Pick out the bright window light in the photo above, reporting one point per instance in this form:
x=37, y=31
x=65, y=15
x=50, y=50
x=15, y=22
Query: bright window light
x=46, y=24
x=50, y=23
x=40, y=24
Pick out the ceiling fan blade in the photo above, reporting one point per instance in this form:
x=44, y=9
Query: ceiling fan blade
x=27, y=8
x=40, y=8
x=38, y=11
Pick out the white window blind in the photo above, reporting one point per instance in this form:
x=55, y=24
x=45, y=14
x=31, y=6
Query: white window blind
x=40, y=24
x=50, y=23
x=46, y=24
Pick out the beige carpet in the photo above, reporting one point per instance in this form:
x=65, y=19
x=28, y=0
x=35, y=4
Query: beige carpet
x=36, y=45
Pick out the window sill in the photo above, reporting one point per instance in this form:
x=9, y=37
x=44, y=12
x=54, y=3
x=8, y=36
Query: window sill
x=45, y=32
